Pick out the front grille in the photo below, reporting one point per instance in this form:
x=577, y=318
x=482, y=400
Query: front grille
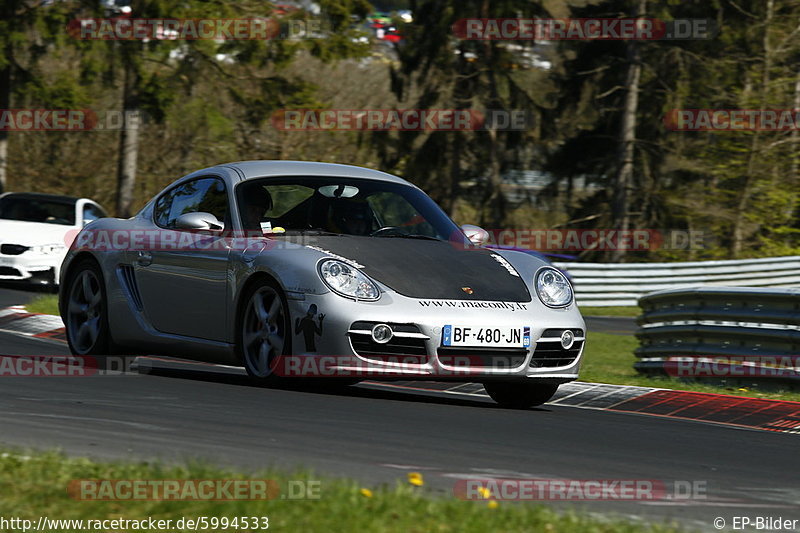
x=9, y=271
x=549, y=354
x=408, y=349
x=13, y=249
x=496, y=358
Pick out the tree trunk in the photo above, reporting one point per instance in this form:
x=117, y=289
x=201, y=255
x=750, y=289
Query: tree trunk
x=5, y=103
x=128, y=144
x=795, y=177
x=455, y=176
x=496, y=201
x=620, y=197
x=737, y=242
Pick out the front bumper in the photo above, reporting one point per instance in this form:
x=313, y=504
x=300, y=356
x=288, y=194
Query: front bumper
x=37, y=268
x=340, y=346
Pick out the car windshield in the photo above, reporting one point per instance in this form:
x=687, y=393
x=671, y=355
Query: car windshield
x=346, y=206
x=13, y=207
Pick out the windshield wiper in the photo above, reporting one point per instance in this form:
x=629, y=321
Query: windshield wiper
x=313, y=231
x=408, y=236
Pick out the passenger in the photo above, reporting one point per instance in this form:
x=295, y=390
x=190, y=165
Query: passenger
x=254, y=201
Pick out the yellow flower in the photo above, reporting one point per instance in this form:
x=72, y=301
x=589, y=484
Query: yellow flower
x=415, y=478
x=743, y=389
x=484, y=492
x=366, y=493
x=492, y=504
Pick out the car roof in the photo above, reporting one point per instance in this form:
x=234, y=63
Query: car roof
x=262, y=169
x=42, y=196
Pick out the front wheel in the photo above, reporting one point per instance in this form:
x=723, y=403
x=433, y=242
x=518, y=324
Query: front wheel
x=264, y=332
x=520, y=395
x=86, y=311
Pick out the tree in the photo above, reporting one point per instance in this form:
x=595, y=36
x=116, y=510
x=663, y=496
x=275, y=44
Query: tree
x=27, y=30
x=438, y=70
x=144, y=69
x=737, y=186
x=627, y=138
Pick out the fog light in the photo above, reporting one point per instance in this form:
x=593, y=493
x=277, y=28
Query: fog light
x=567, y=339
x=382, y=333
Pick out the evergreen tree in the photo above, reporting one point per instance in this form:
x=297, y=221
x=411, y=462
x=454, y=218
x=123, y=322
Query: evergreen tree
x=437, y=70
x=27, y=31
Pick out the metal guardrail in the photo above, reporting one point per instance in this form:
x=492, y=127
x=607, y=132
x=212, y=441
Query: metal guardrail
x=743, y=335
x=601, y=284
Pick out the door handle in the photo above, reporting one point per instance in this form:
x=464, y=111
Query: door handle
x=144, y=258
x=252, y=250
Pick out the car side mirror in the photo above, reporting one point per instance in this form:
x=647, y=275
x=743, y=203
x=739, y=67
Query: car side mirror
x=199, y=221
x=476, y=234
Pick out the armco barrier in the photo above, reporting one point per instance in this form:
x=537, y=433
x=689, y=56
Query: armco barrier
x=746, y=332
x=601, y=284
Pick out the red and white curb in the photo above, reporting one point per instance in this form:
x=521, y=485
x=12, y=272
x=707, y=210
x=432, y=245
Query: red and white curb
x=750, y=413
x=17, y=320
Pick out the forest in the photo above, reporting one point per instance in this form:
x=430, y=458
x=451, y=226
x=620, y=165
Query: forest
x=612, y=135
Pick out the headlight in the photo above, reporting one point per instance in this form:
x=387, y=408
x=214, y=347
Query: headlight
x=347, y=280
x=553, y=288
x=49, y=249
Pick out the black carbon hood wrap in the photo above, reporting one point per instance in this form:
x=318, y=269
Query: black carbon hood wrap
x=428, y=269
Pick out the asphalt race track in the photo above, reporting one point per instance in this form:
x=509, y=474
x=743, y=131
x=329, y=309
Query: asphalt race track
x=376, y=435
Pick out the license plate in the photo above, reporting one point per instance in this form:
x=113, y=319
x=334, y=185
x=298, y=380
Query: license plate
x=499, y=337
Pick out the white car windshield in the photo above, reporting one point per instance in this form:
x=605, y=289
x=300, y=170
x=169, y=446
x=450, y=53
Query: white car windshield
x=32, y=209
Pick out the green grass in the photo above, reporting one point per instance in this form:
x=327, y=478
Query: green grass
x=44, y=303
x=611, y=311
x=35, y=485
x=609, y=359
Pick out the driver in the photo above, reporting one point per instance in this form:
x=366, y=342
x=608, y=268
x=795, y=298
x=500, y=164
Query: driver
x=351, y=216
x=255, y=201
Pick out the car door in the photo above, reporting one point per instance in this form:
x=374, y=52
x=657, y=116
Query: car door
x=182, y=279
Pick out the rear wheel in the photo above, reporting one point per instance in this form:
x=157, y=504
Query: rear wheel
x=264, y=332
x=520, y=395
x=86, y=312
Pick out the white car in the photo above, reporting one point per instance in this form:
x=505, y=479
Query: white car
x=35, y=232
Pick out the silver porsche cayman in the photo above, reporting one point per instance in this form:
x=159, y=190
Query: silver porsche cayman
x=316, y=270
